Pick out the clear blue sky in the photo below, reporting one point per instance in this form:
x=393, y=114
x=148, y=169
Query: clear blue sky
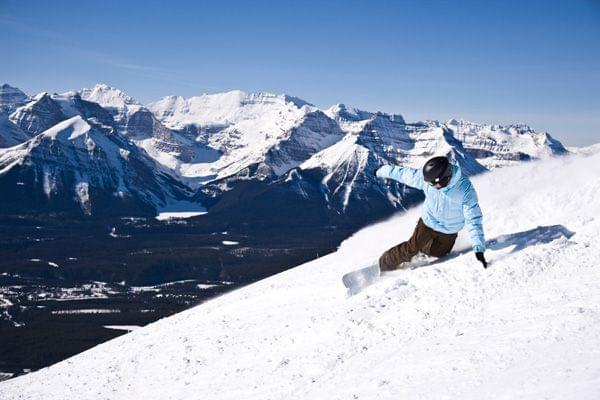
x=488, y=61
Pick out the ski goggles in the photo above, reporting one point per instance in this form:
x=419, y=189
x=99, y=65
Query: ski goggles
x=441, y=182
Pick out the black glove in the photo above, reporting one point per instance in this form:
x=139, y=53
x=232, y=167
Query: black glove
x=481, y=259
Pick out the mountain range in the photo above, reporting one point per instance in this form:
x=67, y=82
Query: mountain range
x=246, y=157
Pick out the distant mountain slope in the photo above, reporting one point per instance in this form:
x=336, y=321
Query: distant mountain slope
x=525, y=328
x=278, y=132
x=39, y=114
x=11, y=98
x=83, y=166
x=45, y=111
x=10, y=134
x=497, y=146
x=169, y=148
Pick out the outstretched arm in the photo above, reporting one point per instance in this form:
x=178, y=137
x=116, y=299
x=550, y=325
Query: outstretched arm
x=473, y=218
x=409, y=176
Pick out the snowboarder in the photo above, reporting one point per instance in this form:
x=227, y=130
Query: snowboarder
x=450, y=200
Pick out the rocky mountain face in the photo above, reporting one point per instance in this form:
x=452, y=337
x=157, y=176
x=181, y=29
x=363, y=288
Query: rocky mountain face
x=38, y=115
x=242, y=129
x=45, y=111
x=10, y=134
x=81, y=166
x=11, y=98
x=251, y=157
x=135, y=121
x=498, y=146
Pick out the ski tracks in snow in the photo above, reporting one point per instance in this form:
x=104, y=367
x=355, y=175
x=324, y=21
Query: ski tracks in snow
x=457, y=326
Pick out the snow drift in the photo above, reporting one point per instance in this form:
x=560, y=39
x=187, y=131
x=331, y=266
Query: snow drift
x=527, y=327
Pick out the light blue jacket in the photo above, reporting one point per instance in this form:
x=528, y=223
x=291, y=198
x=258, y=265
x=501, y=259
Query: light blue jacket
x=445, y=210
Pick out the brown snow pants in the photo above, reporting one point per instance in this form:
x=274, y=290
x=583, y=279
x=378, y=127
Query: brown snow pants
x=424, y=240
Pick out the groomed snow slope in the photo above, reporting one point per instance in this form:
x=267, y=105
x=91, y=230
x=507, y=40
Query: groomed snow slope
x=527, y=328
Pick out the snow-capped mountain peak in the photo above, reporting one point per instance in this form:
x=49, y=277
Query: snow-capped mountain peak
x=82, y=164
x=107, y=96
x=11, y=98
x=41, y=96
x=497, y=145
x=116, y=102
x=41, y=113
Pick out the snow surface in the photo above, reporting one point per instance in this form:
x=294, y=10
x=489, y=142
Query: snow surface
x=528, y=327
x=70, y=129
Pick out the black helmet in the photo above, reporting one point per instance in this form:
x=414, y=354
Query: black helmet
x=437, y=170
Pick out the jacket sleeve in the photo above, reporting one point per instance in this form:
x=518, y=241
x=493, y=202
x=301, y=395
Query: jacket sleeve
x=473, y=218
x=409, y=176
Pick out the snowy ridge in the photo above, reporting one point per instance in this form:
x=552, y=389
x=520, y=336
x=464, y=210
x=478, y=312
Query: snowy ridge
x=222, y=108
x=45, y=111
x=113, y=99
x=68, y=129
x=525, y=328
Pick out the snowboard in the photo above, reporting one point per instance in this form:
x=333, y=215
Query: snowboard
x=357, y=280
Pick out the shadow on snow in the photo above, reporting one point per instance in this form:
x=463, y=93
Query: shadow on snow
x=520, y=240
